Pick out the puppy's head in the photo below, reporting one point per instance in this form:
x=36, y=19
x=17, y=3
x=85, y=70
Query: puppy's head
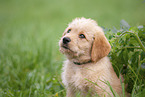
x=83, y=40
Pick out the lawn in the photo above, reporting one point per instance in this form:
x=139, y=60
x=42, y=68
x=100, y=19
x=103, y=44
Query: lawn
x=30, y=61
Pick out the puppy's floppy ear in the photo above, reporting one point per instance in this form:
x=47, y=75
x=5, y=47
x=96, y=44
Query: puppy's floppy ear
x=100, y=48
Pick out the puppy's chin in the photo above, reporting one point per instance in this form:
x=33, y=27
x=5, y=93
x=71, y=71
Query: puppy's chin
x=67, y=51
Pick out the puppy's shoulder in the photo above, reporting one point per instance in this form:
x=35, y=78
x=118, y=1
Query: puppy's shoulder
x=104, y=62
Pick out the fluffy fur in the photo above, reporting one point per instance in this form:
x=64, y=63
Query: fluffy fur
x=91, y=52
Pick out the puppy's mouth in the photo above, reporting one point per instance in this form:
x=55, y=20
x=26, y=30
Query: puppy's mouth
x=66, y=47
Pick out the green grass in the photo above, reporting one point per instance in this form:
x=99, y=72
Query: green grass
x=30, y=61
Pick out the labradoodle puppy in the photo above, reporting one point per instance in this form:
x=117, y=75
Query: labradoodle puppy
x=87, y=69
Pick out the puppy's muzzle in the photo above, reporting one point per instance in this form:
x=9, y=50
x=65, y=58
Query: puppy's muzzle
x=66, y=40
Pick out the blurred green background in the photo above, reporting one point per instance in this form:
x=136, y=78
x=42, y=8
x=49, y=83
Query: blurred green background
x=30, y=61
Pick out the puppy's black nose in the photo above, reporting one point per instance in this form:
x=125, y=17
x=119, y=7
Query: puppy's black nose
x=66, y=40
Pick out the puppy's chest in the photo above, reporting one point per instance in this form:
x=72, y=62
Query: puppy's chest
x=77, y=77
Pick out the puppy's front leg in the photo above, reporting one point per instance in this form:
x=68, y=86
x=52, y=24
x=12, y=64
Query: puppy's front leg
x=70, y=92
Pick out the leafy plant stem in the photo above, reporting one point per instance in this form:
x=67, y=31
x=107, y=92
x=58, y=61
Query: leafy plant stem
x=124, y=33
x=136, y=37
x=139, y=41
x=123, y=89
x=139, y=65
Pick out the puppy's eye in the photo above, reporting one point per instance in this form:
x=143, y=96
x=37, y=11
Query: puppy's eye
x=82, y=36
x=68, y=30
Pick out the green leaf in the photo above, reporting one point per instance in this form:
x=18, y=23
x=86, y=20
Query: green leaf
x=134, y=57
x=142, y=55
x=133, y=29
x=125, y=55
x=141, y=33
x=141, y=94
